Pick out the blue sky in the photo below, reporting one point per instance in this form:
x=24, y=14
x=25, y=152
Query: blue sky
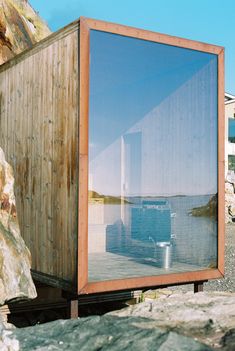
x=210, y=21
x=139, y=142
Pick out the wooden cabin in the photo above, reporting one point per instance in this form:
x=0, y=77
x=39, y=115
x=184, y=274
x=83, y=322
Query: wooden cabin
x=116, y=137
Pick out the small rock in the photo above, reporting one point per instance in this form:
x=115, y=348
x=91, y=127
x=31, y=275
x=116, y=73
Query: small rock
x=229, y=189
x=228, y=340
x=232, y=210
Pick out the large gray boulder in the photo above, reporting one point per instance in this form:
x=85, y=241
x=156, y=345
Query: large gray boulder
x=206, y=316
x=96, y=333
x=15, y=259
x=166, y=322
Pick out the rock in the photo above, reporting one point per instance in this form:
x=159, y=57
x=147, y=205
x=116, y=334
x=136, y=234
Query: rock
x=108, y=333
x=168, y=322
x=209, y=210
x=229, y=199
x=20, y=28
x=231, y=210
x=229, y=203
x=228, y=340
x=230, y=176
x=206, y=316
x=7, y=343
x=15, y=277
x=229, y=189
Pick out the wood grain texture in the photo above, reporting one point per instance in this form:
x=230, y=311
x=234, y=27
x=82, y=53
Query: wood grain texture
x=39, y=133
x=83, y=157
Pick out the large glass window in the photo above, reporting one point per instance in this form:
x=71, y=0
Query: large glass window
x=152, y=158
x=231, y=130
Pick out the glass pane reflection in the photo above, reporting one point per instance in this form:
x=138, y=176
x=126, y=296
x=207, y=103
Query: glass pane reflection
x=152, y=158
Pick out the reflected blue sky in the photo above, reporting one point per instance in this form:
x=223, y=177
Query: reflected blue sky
x=169, y=95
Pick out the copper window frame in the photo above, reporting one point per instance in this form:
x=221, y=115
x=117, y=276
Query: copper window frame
x=84, y=287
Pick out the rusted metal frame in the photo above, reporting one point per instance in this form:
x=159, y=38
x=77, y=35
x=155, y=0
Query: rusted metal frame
x=82, y=272
x=133, y=283
x=151, y=281
x=221, y=163
x=150, y=36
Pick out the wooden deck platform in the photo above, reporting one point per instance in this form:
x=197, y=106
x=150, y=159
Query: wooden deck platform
x=110, y=266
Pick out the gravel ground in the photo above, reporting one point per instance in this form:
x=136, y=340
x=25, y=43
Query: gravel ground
x=228, y=282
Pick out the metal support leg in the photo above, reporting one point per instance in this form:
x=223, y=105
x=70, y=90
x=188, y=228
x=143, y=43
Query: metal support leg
x=198, y=287
x=72, y=309
x=72, y=303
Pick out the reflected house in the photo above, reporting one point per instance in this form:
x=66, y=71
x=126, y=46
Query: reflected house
x=229, y=133
x=116, y=131
x=151, y=221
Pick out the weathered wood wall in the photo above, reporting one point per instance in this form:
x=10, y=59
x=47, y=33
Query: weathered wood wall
x=39, y=134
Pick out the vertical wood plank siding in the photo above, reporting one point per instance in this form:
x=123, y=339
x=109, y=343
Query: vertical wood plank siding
x=39, y=134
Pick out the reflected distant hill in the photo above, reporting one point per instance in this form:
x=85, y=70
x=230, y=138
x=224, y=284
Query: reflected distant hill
x=96, y=198
x=157, y=196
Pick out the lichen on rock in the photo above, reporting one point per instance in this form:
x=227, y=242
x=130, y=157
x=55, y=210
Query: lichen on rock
x=20, y=28
x=15, y=259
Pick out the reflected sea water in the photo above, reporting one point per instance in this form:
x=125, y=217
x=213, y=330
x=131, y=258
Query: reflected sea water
x=131, y=229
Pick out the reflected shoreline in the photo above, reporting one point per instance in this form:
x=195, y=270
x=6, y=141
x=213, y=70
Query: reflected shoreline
x=208, y=210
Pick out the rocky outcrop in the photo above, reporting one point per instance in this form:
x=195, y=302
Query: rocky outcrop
x=20, y=28
x=102, y=333
x=165, y=321
x=15, y=276
x=230, y=198
x=209, y=210
x=208, y=316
